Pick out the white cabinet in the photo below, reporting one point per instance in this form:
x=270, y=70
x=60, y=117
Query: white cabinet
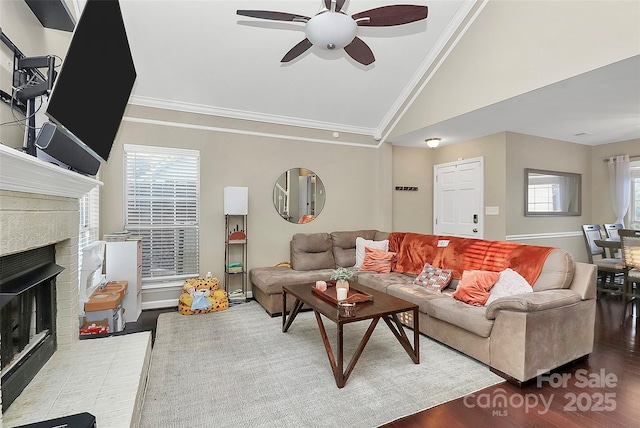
x=124, y=262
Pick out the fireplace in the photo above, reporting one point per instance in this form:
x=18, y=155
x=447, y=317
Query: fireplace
x=39, y=209
x=28, y=317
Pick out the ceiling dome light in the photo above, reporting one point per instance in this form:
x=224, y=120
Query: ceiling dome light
x=433, y=142
x=331, y=30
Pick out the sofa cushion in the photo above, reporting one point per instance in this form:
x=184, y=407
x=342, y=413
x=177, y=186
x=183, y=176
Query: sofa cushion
x=271, y=279
x=381, y=282
x=468, y=317
x=557, y=271
x=381, y=236
x=344, y=245
x=311, y=251
x=414, y=294
x=474, y=286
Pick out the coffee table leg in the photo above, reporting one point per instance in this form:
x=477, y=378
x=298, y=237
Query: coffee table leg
x=337, y=363
x=286, y=321
x=284, y=309
x=327, y=345
x=363, y=343
x=396, y=328
x=416, y=336
x=341, y=378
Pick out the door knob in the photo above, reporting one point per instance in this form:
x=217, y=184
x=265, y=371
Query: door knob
x=475, y=230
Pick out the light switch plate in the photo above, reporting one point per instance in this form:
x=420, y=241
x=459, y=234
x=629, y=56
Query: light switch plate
x=492, y=210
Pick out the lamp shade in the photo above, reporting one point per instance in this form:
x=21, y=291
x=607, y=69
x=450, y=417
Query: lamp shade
x=331, y=30
x=236, y=200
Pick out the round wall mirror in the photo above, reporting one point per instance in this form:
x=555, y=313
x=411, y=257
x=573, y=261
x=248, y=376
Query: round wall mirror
x=299, y=195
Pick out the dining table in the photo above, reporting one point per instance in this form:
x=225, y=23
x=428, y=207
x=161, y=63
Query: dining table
x=612, y=244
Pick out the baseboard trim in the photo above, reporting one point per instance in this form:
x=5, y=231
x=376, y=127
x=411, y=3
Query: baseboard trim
x=159, y=304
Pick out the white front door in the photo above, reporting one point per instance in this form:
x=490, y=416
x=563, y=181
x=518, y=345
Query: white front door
x=458, y=198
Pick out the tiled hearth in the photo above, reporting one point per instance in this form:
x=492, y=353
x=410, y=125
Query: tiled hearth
x=105, y=377
x=38, y=207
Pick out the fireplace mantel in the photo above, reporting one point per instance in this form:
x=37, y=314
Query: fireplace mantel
x=20, y=172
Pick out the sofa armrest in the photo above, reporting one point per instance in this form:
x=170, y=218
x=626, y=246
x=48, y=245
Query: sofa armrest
x=532, y=302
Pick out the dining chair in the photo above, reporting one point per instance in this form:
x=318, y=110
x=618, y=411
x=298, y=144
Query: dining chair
x=610, y=270
x=611, y=231
x=630, y=240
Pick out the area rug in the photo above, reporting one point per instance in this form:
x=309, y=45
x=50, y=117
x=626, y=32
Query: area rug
x=236, y=368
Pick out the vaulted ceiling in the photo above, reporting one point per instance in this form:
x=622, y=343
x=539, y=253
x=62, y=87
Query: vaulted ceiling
x=200, y=56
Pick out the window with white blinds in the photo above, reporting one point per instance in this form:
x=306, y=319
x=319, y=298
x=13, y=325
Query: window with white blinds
x=89, y=222
x=162, y=199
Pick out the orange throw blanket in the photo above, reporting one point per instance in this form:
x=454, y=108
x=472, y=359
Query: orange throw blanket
x=460, y=254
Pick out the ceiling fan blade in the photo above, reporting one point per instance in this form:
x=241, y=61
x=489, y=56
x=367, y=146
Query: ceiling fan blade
x=387, y=16
x=339, y=4
x=297, y=50
x=360, y=51
x=274, y=16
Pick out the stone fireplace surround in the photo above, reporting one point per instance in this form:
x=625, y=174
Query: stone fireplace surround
x=39, y=206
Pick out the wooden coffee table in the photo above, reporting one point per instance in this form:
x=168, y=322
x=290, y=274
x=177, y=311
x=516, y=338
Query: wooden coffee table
x=383, y=307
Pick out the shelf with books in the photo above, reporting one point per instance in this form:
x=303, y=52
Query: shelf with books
x=235, y=257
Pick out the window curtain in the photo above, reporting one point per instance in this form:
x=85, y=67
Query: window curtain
x=620, y=185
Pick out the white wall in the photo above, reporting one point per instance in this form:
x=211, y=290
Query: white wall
x=357, y=190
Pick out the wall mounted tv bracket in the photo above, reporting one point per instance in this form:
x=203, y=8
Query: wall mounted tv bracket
x=27, y=83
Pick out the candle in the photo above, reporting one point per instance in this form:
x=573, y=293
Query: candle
x=346, y=309
x=321, y=285
x=341, y=293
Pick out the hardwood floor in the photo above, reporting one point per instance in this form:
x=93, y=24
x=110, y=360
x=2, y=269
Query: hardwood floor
x=602, y=390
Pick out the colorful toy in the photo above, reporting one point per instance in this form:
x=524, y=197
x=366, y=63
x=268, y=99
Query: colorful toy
x=202, y=295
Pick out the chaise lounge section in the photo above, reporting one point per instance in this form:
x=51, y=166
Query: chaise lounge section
x=517, y=336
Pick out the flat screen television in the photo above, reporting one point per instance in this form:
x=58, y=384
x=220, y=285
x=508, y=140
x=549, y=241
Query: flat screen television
x=94, y=84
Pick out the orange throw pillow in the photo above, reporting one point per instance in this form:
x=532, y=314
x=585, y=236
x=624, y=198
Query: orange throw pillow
x=377, y=260
x=475, y=285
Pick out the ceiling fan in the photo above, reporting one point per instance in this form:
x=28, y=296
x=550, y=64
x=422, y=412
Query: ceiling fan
x=331, y=28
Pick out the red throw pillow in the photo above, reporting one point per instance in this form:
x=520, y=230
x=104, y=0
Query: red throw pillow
x=377, y=260
x=475, y=285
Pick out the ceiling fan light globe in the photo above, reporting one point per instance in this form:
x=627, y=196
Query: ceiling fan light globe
x=433, y=142
x=331, y=30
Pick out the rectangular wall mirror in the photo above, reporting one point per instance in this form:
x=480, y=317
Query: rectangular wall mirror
x=552, y=193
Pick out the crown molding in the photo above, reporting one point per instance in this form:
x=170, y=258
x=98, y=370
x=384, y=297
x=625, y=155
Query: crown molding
x=248, y=115
x=242, y=132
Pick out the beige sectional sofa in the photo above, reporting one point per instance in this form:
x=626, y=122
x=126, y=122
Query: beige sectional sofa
x=517, y=336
